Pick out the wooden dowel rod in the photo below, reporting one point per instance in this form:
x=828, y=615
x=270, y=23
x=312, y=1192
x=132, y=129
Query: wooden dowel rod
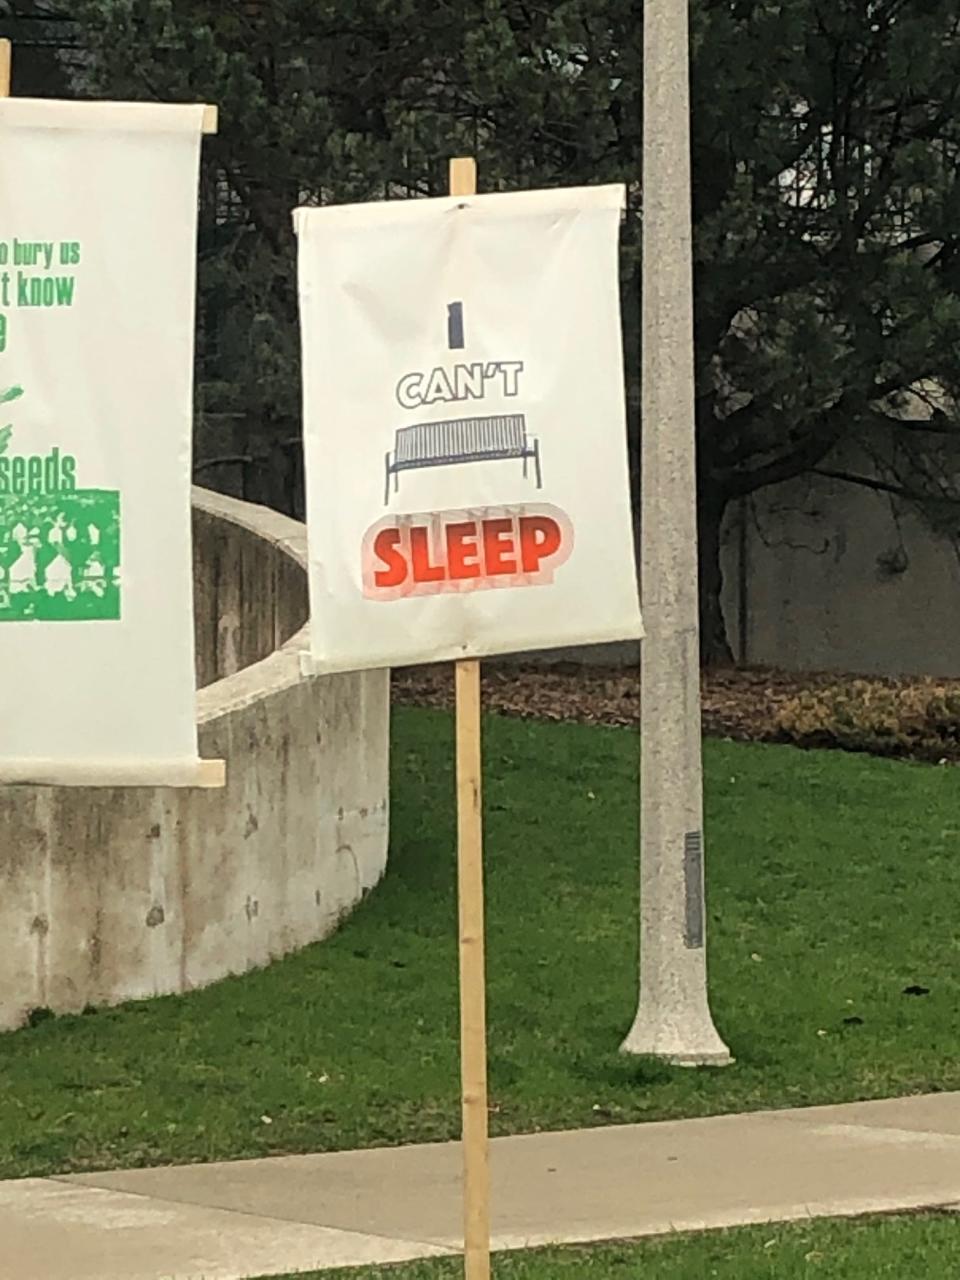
x=6, y=66
x=473, y=1015
x=473, y=1022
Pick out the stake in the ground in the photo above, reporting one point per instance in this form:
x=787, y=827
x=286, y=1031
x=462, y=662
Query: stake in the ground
x=473, y=1019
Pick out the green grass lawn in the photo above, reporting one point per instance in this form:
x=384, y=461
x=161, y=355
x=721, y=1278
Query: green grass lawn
x=833, y=884
x=910, y=1248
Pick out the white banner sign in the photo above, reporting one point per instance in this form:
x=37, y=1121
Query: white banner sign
x=98, y=215
x=465, y=433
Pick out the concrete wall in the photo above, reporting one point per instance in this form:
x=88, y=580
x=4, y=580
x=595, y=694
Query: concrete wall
x=829, y=576
x=114, y=894
x=823, y=575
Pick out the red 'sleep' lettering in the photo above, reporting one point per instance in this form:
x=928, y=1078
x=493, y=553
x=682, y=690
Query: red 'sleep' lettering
x=423, y=570
x=497, y=545
x=539, y=539
x=385, y=546
x=464, y=551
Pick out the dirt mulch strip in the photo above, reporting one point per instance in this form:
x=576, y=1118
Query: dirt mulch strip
x=738, y=704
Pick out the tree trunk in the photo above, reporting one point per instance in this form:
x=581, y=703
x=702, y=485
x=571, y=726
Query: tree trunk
x=714, y=646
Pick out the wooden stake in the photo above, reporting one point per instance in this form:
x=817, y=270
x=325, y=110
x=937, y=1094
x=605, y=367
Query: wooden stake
x=6, y=60
x=473, y=1029
x=473, y=1001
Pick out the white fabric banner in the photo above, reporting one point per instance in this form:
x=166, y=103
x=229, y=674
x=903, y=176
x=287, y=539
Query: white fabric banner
x=98, y=216
x=465, y=427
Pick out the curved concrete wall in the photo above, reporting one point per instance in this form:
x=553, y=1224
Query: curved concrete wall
x=110, y=894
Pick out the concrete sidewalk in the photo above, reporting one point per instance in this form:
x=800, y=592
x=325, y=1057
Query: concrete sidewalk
x=269, y=1217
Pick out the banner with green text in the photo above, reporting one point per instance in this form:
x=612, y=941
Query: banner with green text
x=98, y=214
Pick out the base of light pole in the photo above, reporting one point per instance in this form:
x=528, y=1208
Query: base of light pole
x=699, y=1048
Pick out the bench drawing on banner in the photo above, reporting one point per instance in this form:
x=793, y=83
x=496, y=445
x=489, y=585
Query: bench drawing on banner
x=461, y=440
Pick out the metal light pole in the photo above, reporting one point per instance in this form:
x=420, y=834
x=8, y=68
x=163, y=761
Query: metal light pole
x=673, y=1019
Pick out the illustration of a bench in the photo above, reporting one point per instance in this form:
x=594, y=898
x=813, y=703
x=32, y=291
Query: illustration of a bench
x=459, y=440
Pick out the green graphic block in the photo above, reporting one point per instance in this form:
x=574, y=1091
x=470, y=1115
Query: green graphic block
x=60, y=556
x=59, y=545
